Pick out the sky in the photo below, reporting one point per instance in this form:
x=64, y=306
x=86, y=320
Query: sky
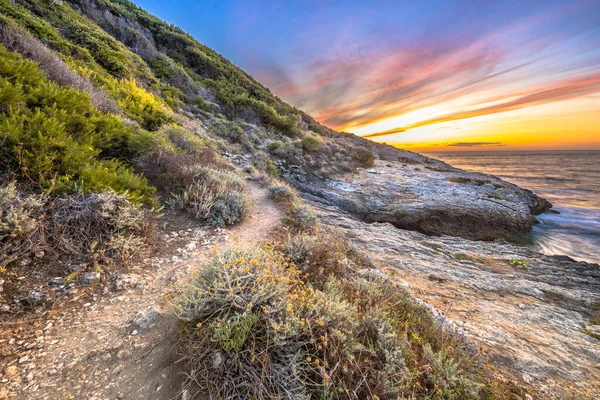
x=422, y=75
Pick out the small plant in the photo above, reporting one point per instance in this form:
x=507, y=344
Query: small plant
x=518, y=264
x=282, y=192
x=365, y=157
x=311, y=143
x=184, y=140
x=263, y=163
x=216, y=196
x=446, y=375
x=468, y=257
x=595, y=317
x=459, y=179
x=591, y=334
x=497, y=197
x=301, y=217
x=274, y=146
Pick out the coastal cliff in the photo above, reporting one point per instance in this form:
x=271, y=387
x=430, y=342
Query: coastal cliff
x=534, y=314
x=169, y=228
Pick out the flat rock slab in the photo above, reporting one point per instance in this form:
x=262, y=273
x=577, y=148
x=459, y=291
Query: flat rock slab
x=432, y=197
x=530, y=313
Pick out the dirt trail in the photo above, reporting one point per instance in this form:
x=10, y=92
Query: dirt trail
x=91, y=349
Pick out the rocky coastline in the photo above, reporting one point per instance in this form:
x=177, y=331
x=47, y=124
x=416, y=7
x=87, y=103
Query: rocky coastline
x=428, y=196
x=441, y=233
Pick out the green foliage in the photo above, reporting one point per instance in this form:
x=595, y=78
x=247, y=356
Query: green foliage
x=365, y=157
x=518, y=264
x=281, y=192
x=274, y=146
x=140, y=104
x=311, y=143
x=264, y=164
x=184, y=140
x=54, y=135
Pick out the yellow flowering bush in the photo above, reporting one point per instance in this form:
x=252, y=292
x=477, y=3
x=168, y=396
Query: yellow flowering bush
x=257, y=325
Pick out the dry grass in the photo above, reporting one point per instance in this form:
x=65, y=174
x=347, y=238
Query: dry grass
x=214, y=195
x=99, y=227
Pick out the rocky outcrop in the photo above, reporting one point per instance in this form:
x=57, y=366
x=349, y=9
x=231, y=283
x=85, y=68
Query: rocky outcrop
x=533, y=315
x=429, y=196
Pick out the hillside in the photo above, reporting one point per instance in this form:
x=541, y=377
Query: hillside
x=129, y=150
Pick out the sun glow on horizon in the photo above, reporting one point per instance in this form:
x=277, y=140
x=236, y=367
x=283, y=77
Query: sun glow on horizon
x=569, y=124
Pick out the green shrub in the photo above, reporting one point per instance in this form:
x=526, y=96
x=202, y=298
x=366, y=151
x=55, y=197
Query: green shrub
x=215, y=196
x=263, y=163
x=55, y=136
x=321, y=254
x=301, y=217
x=183, y=139
x=274, y=146
x=149, y=110
x=311, y=143
x=281, y=192
x=365, y=157
x=241, y=331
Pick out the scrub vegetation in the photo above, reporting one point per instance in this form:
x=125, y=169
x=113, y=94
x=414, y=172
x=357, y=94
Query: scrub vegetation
x=288, y=319
x=110, y=116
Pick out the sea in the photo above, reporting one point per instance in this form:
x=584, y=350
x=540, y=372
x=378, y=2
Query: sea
x=570, y=180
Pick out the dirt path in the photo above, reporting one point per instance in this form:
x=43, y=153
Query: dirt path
x=91, y=349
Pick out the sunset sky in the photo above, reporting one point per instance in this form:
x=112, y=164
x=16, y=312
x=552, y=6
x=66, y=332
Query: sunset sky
x=423, y=75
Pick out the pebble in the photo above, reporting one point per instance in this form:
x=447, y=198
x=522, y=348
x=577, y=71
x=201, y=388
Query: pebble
x=89, y=278
x=57, y=282
x=144, y=322
x=123, y=354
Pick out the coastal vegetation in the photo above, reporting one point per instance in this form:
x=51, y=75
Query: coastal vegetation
x=112, y=119
x=289, y=320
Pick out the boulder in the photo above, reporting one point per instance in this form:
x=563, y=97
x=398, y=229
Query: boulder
x=433, y=198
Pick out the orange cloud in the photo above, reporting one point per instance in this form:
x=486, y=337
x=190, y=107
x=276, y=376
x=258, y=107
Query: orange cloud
x=560, y=91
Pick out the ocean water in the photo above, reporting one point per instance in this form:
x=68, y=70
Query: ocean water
x=570, y=180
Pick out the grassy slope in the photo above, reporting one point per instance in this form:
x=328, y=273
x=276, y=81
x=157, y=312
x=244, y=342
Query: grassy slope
x=176, y=101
